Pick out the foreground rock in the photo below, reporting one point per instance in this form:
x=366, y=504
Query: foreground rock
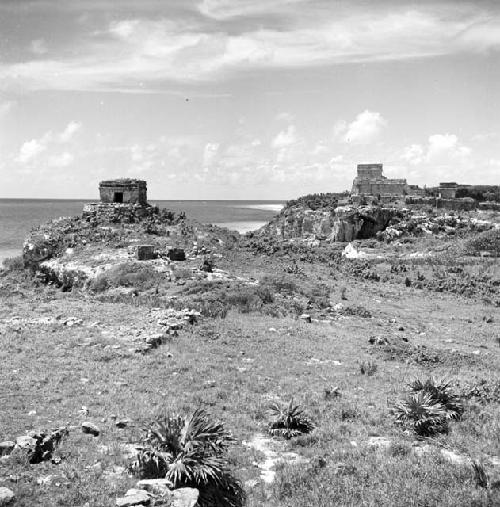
x=6, y=496
x=158, y=491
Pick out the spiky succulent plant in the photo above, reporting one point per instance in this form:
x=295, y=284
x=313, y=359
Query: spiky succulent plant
x=289, y=421
x=191, y=452
x=429, y=407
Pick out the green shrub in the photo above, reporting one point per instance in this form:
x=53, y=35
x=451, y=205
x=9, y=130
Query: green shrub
x=289, y=421
x=130, y=274
x=14, y=263
x=190, y=451
x=429, y=407
x=488, y=241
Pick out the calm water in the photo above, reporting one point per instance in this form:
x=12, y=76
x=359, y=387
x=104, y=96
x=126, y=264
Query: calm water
x=19, y=216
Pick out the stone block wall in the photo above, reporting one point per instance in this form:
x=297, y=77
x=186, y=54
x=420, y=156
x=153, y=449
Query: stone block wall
x=126, y=191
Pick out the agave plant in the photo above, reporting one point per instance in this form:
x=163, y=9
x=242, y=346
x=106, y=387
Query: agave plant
x=423, y=414
x=440, y=391
x=289, y=421
x=191, y=452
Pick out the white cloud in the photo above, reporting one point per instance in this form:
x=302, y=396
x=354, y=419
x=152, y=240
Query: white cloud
x=292, y=34
x=30, y=150
x=365, y=128
x=59, y=161
x=413, y=154
x=71, y=129
x=285, y=138
x=38, y=46
x=443, y=147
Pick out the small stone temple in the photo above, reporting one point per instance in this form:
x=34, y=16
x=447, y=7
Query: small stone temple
x=125, y=190
x=448, y=190
x=371, y=181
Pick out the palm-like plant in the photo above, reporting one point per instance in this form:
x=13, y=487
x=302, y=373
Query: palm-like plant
x=441, y=392
x=429, y=407
x=289, y=421
x=423, y=414
x=190, y=452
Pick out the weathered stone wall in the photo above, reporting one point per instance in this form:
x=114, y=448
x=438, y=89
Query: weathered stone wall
x=131, y=191
x=371, y=181
x=448, y=193
x=465, y=204
x=116, y=213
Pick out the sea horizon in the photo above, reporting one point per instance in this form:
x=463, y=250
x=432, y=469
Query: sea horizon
x=18, y=216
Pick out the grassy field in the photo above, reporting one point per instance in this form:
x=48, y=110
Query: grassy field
x=235, y=367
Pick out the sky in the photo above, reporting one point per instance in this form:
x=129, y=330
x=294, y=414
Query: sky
x=245, y=99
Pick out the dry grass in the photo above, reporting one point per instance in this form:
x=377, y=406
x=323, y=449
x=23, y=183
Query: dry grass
x=235, y=367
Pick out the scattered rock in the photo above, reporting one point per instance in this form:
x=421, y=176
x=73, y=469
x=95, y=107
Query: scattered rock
x=306, y=318
x=176, y=254
x=134, y=497
x=6, y=496
x=122, y=423
x=378, y=340
x=379, y=442
x=454, y=458
x=145, y=252
x=91, y=428
x=40, y=445
x=156, y=486
x=185, y=497
x=344, y=469
x=6, y=447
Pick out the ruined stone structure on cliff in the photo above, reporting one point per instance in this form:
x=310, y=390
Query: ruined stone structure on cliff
x=448, y=190
x=371, y=181
x=123, y=200
x=123, y=191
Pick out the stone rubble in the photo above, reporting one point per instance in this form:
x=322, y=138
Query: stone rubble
x=6, y=496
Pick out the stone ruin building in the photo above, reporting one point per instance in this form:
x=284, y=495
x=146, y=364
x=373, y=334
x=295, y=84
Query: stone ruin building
x=448, y=190
x=371, y=181
x=122, y=200
x=123, y=191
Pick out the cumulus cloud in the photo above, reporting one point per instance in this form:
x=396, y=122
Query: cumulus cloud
x=445, y=147
x=285, y=138
x=31, y=150
x=413, y=154
x=365, y=128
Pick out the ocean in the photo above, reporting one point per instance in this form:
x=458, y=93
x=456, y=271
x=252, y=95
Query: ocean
x=19, y=216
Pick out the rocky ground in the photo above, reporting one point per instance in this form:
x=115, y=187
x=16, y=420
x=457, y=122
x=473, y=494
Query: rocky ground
x=91, y=359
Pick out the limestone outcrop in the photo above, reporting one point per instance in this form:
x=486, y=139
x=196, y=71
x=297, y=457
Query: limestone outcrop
x=344, y=223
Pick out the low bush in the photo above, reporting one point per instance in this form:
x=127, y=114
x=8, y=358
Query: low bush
x=488, y=241
x=13, y=263
x=429, y=407
x=139, y=276
x=190, y=451
x=289, y=421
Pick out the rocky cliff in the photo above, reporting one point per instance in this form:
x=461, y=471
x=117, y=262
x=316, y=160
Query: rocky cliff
x=342, y=223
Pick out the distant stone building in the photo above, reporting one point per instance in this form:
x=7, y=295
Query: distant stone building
x=371, y=181
x=125, y=190
x=448, y=190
